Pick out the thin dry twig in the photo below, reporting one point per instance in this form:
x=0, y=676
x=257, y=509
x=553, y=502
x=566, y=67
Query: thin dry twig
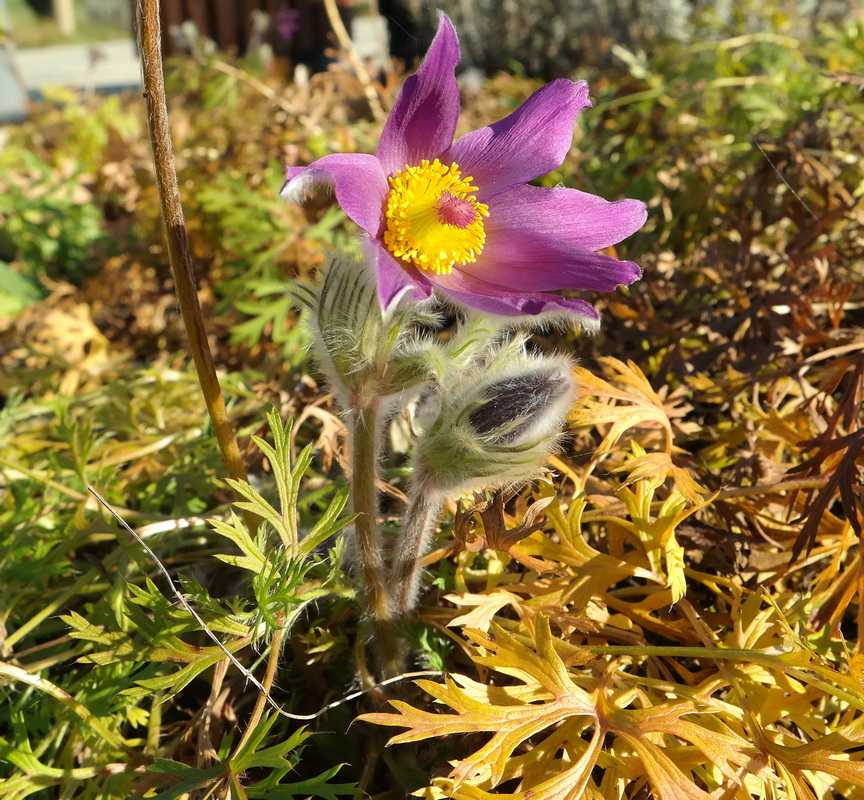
x=347, y=45
x=179, y=254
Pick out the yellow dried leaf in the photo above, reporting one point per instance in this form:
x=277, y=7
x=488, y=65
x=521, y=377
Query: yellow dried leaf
x=675, y=579
x=486, y=606
x=636, y=405
x=544, y=676
x=656, y=468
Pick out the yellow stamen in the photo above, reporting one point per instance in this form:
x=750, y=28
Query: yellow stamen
x=433, y=220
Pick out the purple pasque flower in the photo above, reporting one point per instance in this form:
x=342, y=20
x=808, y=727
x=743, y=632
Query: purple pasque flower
x=461, y=217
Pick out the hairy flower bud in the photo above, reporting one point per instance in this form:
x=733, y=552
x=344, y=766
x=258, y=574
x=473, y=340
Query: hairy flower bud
x=516, y=403
x=365, y=352
x=497, y=429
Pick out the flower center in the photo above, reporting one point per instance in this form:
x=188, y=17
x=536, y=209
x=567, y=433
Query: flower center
x=433, y=220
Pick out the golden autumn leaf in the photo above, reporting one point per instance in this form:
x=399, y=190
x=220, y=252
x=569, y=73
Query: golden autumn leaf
x=656, y=468
x=632, y=403
x=828, y=755
x=656, y=531
x=506, y=712
x=550, y=711
x=483, y=608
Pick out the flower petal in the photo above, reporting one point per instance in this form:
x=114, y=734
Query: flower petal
x=423, y=120
x=396, y=280
x=357, y=178
x=517, y=261
x=530, y=305
x=582, y=218
x=532, y=141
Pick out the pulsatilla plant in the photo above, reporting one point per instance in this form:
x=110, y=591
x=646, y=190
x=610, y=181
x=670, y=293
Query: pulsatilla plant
x=454, y=230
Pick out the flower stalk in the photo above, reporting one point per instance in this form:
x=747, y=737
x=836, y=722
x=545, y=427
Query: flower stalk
x=379, y=600
x=405, y=570
x=364, y=474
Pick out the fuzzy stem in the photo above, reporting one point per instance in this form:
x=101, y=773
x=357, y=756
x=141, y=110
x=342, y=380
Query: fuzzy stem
x=179, y=255
x=364, y=471
x=364, y=468
x=420, y=519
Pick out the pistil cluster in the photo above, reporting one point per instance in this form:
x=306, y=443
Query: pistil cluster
x=433, y=219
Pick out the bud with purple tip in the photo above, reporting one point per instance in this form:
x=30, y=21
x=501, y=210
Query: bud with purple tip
x=495, y=428
x=498, y=428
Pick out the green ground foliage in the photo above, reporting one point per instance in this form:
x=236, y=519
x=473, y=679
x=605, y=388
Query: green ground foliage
x=673, y=611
